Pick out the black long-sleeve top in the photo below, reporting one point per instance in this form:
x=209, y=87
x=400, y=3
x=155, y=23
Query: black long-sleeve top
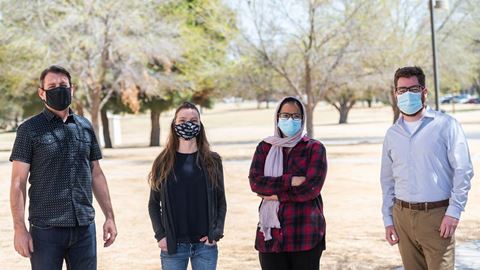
x=188, y=199
x=163, y=207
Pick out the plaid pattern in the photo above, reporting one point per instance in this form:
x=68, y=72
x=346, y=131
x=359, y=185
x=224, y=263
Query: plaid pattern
x=301, y=208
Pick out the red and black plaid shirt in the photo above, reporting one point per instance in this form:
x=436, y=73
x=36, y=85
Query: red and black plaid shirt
x=301, y=208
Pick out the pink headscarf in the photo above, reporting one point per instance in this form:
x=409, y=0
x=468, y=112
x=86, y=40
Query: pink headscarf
x=274, y=167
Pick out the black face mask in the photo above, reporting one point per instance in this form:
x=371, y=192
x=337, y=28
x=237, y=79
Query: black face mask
x=187, y=130
x=59, y=98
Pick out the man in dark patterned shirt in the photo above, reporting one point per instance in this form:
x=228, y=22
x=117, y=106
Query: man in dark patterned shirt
x=58, y=153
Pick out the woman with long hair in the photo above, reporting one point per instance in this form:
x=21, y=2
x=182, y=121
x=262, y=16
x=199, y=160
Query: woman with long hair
x=187, y=204
x=288, y=171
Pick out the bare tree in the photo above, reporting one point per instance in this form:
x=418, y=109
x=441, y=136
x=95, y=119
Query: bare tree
x=404, y=40
x=94, y=40
x=308, y=50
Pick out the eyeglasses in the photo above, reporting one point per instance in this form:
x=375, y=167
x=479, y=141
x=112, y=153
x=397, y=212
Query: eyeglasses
x=413, y=89
x=294, y=116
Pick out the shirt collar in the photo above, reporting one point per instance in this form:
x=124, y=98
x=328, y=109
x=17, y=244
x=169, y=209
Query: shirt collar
x=429, y=113
x=50, y=115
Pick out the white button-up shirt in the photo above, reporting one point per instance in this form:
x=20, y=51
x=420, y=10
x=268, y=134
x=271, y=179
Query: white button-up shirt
x=431, y=164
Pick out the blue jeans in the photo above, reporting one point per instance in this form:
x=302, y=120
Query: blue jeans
x=203, y=257
x=51, y=245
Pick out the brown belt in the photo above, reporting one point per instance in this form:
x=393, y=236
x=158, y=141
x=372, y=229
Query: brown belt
x=421, y=206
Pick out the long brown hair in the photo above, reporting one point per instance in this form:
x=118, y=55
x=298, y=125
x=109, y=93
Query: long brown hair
x=163, y=164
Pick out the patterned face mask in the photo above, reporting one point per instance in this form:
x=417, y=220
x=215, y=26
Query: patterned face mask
x=187, y=130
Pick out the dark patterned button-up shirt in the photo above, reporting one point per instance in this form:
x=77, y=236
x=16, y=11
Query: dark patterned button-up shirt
x=60, y=155
x=301, y=208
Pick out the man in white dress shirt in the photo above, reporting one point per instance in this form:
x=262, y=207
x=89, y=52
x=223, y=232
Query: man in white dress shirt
x=425, y=177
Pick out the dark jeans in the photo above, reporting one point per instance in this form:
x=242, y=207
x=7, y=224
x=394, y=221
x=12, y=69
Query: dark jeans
x=77, y=245
x=203, y=257
x=301, y=260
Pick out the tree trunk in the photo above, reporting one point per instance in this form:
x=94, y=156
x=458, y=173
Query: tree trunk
x=309, y=113
x=310, y=106
x=78, y=107
x=106, y=128
x=17, y=120
x=344, y=107
x=369, y=102
x=155, y=123
x=94, y=112
x=344, y=110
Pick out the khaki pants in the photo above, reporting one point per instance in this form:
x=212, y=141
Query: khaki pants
x=420, y=244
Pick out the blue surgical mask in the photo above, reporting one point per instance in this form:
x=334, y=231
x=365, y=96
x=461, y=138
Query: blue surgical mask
x=289, y=127
x=410, y=103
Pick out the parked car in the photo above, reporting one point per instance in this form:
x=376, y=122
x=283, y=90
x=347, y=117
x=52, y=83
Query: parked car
x=462, y=99
x=446, y=99
x=474, y=101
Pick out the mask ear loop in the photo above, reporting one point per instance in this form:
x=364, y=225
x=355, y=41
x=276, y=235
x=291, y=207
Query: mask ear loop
x=45, y=91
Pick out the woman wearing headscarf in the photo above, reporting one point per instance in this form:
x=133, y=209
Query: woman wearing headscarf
x=288, y=171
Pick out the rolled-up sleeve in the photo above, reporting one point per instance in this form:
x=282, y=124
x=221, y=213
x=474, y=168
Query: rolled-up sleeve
x=460, y=161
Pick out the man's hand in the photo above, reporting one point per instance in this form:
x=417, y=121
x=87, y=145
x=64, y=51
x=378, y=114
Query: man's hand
x=391, y=235
x=297, y=180
x=109, y=232
x=269, y=198
x=23, y=242
x=162, y=244
x=448, y=226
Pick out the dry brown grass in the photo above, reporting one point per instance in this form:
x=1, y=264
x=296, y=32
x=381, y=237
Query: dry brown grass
x=352, y=194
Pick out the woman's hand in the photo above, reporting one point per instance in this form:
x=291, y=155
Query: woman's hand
x=268, y=198
x=162, y=244
x=204, y=240
x=297, y=180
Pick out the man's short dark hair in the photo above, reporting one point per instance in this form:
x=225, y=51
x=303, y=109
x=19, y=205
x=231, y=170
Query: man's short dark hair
x=55, y=69
x=407, y=72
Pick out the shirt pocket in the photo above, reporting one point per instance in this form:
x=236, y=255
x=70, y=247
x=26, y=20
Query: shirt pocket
x=84, y=140
x=47, y=145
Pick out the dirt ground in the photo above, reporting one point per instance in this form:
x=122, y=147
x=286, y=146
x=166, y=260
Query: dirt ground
x=352, y=194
